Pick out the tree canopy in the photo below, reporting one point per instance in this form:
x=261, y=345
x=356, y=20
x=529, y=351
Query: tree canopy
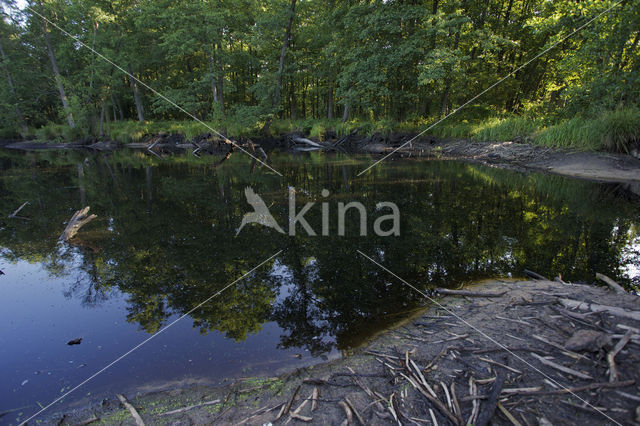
x=253, y=60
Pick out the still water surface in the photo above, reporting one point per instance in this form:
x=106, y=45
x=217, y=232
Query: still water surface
x=165, y=240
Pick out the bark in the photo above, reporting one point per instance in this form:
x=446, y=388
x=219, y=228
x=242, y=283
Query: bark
x=136, y=96
x=330, y=103
x=345, y=113
x=287, y=36
x=56, y=71
x=13, y=91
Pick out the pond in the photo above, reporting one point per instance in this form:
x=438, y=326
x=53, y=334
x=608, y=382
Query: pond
x=166, y=239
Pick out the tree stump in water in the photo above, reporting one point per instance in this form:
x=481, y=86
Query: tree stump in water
x=77, y=221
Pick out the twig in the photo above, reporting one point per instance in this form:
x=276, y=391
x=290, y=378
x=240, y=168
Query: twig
x=611, y=283
x=287, y=407
x=314, y=399
x=353, y=409
x=613, y=372
x=190, y=407
x=456, y=405
x=490, y=361
x=508, y=415
x=561, y=367
x=132, y=410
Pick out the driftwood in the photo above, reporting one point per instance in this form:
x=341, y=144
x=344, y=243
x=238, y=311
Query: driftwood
x=535, y=276
x=307, y=142
x=77, y=221
x=594, y=307
x=561, y=367
x=613, y=371
x=611, y=283
x=132, y=410
x=15, y=214
x=488, y=408
x=468, y=293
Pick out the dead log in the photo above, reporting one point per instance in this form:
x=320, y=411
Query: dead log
x=611, y=283
x=489, y=407
x=535, y=275
x=306, y=142
x=468, y=293
x=77, y=221
x=594, y=307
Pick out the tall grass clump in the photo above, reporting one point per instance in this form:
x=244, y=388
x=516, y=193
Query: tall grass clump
x=505, y=129
x=612, y=131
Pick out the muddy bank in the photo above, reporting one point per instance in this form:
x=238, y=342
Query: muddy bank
x=600, y=166
x=536, y=352
x=608, y=167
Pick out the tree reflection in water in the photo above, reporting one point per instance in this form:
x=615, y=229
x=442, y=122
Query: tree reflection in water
x=166, y=236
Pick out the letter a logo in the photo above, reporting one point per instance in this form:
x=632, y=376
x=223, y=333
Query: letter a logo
x=260, y=214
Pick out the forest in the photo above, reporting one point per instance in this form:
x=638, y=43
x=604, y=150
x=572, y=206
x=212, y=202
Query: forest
x=276, y=66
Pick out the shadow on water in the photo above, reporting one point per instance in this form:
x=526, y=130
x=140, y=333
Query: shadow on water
x=165, y=240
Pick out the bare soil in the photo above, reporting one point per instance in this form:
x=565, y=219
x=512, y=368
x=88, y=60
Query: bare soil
x=600, y=166
x=463, y=360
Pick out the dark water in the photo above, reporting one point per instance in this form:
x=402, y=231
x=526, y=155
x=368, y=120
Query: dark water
x=165, y=240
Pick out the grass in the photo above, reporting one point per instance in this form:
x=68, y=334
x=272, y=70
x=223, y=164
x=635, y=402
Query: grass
x=609, y=131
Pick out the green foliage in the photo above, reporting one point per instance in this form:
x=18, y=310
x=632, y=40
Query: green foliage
x=397, y=66
x=613, y=131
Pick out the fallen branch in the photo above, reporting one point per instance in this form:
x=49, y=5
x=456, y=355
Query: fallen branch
x=307, y=142
x=561, y=367
x=77, y=221
x=190, y=407
x=15, y=214
x=490, y=361
x=468, y=293
x=611, y=283
x=613, y=372
x=285, y=409
x=593, y=307
x=132, y=409
x=591, y=386
x=508, y=415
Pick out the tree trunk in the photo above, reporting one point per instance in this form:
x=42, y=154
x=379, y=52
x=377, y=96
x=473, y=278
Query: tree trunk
x=287, y=36
x=330, y=103
x=345, y=113
x=102, y=114
x=56, y=71
x=13, y=91
x=136, y=96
